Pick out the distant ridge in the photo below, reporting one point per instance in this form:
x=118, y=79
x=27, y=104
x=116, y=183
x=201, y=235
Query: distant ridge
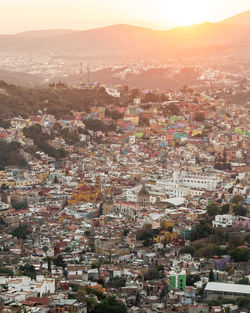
x=242, y=18
x=46, y=32
x=128, y=41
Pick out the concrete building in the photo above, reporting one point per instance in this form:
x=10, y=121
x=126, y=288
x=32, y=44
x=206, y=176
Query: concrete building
x=223, y=220
x=143, y=198
x=214, y=290
x=182, y=179
x=189, y=296
x=177, y=280
x=42, y=286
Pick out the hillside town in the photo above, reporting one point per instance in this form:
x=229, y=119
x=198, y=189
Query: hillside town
x=141, y=205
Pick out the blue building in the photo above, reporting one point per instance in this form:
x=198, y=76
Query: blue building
x=189, y=296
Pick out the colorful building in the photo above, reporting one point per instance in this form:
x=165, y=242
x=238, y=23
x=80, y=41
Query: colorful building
x=177, y=280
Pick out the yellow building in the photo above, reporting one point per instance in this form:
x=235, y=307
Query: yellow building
x=3, y=178
x=167, y=224
x=85, y=193
x=166, y=236
x=133, y=119
x=43, y=175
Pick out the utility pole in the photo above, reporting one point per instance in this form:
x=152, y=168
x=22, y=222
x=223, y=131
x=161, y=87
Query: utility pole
x=81, y=78
x=88, y=73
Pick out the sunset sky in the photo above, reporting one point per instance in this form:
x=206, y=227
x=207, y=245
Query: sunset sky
x=21, y=15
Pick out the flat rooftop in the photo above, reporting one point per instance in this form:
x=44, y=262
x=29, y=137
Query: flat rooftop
x=224, y=287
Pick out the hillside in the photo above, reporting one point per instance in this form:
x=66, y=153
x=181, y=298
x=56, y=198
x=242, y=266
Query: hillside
x=28, y=101
x=20, y=78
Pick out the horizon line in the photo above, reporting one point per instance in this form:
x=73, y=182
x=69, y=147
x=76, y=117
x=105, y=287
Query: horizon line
x=140, y=25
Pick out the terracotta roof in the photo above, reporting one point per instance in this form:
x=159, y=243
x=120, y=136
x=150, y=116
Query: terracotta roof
x=42, y=301
x=85, y=187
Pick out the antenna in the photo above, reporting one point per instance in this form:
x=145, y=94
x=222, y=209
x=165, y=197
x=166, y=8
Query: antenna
x=88, y=73
x=81, y=78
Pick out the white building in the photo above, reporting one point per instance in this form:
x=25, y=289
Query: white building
x=131, y=193
x=137, y=101
x=42, y=286
x=224, y=220
x=16, y=296
x=215, y=289
x=184, y=180
x=113, y=92
x=125, y=209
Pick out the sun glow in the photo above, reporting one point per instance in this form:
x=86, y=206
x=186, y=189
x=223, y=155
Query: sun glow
x=186, y=12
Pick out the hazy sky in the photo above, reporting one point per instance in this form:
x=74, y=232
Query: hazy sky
x=21, y=15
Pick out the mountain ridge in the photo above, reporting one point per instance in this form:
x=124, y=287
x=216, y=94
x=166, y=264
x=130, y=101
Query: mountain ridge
x=241, y=18
x=129, y=41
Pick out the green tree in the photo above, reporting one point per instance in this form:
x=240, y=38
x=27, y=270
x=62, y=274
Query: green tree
x=235, y=240
x=217, y=250
x=48, y=260
x=21, y=231
x=10, y=154
x=147, y=242
x=110, y=305
x=2, y=222
x=173, y=109
x=87, y=233
x=114, y=114
x=58, y=261
x=247, y=239
x=19, y=205
x=125, y=232
x=201, y=290
x=191, y=279
x=40, y=139
x=45, y=249
x=220, y=236
x=225, y=208
x=199, y=117
x=143, y=121
x=239, y=209
x=240, y=254
x=5, y=270
x=28, y=270
x=212, y=209
x=117, y=282
x=187, y=249
x=237, y=199
x=211, y=275
x=145, y=233
x=4, y=187
x=91, y=303
x=152, y=273
x=244, y=281
x=81, y=294
x=4, y=198
x=95, y=125
x=150, y=97
x=202, y=230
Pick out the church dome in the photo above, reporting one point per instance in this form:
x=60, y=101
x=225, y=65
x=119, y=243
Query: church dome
x=143, y=192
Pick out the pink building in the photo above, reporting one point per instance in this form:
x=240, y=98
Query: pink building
x=242, y=222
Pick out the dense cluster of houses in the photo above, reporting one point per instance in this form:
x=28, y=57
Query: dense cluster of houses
x=151, y=178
